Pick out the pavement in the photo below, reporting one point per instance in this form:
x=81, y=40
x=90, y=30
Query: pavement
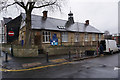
x=15, y=63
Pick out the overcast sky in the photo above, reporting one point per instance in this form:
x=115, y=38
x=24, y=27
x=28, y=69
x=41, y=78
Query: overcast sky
x=102, y=14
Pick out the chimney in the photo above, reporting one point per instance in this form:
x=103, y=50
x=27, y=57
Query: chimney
x=70, y=18
x=87, y=22
x=45, y=14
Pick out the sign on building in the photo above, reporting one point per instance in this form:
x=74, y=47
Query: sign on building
x=11, y=33
x=54, y=40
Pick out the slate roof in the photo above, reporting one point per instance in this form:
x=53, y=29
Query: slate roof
x=52, y=23
x=6, y=20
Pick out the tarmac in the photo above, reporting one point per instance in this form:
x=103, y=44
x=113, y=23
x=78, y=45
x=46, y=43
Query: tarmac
x=21, y=64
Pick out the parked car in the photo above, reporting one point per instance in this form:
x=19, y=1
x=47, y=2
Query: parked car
x=109, y=46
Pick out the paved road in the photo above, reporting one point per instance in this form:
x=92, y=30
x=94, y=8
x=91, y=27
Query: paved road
x=101, y=67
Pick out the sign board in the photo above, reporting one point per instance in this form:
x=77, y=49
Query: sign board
x=11, y=33
x=54, y=40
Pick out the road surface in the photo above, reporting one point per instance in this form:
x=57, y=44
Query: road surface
x=100, y=67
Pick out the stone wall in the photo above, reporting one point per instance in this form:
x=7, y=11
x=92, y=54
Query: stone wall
x=65, y=50
x=25, y=52
x=19, y=51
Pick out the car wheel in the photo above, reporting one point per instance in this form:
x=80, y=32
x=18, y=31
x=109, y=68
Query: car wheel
x=111, y=52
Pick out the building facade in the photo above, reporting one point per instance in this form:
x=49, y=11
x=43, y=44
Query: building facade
x=2, y=32
x=48, y=31
x=116, y=37
x=13, y=25
x=9, y=24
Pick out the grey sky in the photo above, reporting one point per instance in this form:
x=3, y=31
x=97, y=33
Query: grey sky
x=103, y=14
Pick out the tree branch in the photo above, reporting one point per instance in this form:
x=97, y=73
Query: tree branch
x=21, y=4
x=8, y=5
x=48, y=4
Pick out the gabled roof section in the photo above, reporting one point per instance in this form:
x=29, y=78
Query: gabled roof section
x=6, y=20
x=54, y=24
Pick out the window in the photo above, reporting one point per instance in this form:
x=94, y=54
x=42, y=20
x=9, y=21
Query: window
x=86, y=37
x=64, y=37
x=46, y=36
x=99, y=36
x=93, y=37
x=76, y=37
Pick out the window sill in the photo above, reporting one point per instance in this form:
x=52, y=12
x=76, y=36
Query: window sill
x=45, y=42
x=65, y=42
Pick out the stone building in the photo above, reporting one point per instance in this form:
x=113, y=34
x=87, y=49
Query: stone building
x=65, y=32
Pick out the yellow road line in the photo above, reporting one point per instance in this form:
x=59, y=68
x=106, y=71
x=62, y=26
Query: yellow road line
x=6, y=70
x=58, y=60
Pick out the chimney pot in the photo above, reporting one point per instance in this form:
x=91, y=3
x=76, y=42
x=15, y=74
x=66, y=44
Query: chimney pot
x=87, y=22
x=45, y=14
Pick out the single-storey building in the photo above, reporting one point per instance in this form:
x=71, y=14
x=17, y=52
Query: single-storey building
x=49, y=31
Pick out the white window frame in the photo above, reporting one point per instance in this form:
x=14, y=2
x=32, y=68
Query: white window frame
x=76, y=37
x=46, y=36
x=64, y=37
x=86, y=37
x=99, y=36
x=93, y=37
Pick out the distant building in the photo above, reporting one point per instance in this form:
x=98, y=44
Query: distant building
x=4, y=29
x=108, y=37
x=116, y=37
x=2, y=32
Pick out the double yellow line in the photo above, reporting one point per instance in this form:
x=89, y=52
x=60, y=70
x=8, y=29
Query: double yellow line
x=7, y=70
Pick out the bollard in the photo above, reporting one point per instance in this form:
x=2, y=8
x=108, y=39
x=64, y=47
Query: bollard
x=6, y=57
x=77, y=54
x=47, y=57
x=69, y=56
x=11, y=49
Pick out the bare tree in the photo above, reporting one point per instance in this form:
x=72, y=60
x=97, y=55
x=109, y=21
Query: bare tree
x=107, y=32
x=28, y=6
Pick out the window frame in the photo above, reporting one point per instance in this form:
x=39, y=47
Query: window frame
x=76, y=37
x=99, y=36
x=64, y=36
x=93, y=37
x=86, y=37
x=46, y=35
